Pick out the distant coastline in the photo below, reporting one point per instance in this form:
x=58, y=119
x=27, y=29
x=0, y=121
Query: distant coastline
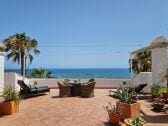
x=120, y=73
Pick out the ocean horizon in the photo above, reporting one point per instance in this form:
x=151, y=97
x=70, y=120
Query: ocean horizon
x=121, y=73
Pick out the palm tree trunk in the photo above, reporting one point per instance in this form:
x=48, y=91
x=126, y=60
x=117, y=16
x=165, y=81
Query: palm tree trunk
x=22, y=64
x=25, y=66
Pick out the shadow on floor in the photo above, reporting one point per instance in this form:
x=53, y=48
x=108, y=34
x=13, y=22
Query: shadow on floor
x=32, y=96
x=108, y=123
x=55, y=97
x=155, y=118
x=1, y=115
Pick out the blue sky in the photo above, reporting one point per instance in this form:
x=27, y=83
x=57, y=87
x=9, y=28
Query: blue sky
x=84, y=33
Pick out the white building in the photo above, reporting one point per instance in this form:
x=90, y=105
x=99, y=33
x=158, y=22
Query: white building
x=159, y=48
x=1, y=71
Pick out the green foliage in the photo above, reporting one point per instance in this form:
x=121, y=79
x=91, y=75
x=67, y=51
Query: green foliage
x=163, y=90
x=141, y=62
x=112, y=109
x=10, y=94
x=41, y=73
x=125, y=96
x=137, y=122
x=2, y=48
x=155, y=89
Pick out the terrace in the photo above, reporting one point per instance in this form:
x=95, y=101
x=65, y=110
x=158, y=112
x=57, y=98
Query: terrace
x=49, y=110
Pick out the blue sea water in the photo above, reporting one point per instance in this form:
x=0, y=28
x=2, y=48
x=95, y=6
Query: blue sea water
x=85, y=73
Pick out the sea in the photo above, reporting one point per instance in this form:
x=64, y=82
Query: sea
x=121, y=73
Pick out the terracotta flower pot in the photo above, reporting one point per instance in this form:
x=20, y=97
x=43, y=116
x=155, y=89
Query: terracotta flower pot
x=8, y=108
x=165, y=96
x=16, y=107
x=129, y=110
x=157, y=106
x=114, y=119
x=128, y=121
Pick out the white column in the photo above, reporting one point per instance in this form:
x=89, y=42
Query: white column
x=1, y=71
x=159, y=60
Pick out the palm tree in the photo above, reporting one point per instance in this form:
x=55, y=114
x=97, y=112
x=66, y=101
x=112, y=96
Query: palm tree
x=20, y=49
x=145, y=61
x=135, y=65
x=141, y=62
x=41, y=73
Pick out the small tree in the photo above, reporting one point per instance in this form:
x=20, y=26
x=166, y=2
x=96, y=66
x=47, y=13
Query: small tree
x=41, y=73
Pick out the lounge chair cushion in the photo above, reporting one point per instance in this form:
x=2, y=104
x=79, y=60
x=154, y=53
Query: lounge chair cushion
x=42, y=89
x=32, y=89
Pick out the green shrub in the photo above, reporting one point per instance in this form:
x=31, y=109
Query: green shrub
x=10, y=94
x=137, y=122
x=125, y=96
x=162, y=90
x=155, y=89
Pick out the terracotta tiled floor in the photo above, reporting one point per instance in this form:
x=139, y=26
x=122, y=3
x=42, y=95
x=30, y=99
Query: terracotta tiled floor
x=50, y=110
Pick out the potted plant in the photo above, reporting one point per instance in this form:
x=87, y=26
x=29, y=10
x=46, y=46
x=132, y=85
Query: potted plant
x=11, y=101
x=113, y=113
x=129, y=107
x=134, y=122
x=155, y=88
x=158, y=104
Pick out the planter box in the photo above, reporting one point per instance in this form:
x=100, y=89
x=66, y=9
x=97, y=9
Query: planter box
x=129, y=110
x=114, y=119
x=8, y=108
x=129, y=120
x=16, y=107
x=157, y=107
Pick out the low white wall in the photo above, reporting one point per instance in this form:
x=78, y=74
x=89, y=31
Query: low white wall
x=11, y=79
x=144, y=78
x=1, y=71
x=100, y=83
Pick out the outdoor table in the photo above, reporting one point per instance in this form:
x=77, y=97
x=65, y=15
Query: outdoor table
x=76, y=88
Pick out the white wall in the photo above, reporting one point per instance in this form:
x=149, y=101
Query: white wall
x=159, y=59
x=100, y=83
x=11, y=79
x=1, y=72
x=144, y=78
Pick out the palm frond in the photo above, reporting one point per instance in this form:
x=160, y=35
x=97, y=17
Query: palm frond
x=18, y=44
x=36, y=51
